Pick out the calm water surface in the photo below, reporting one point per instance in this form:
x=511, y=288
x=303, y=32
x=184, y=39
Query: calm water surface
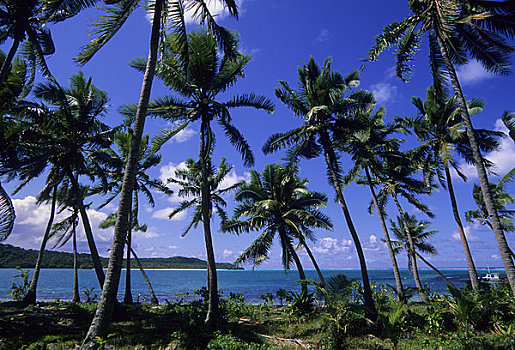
x=58, y=283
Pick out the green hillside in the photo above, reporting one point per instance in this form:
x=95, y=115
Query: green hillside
x=11, y=257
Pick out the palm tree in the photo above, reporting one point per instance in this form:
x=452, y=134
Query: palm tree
x=7, y=214
x=24, y=21
x=113, y=163
x=63, y=137
x=502, y=199
x=190, y=181
x=278, y=203
x=508, y=119
x=322, y=102
x=117, y=13
x=419, y=235
x=458, y=30
x=198, y=76
x=396, y=179
x=366, y=144
x=62, y=232
x=439, y=126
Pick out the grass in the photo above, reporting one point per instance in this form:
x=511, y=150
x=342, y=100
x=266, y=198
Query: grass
x=179, y=325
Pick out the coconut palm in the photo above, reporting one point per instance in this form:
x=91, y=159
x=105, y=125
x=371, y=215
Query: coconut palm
x=117, y=12
x=419, y=234
x=508, y=119
x=396, y=179
x=502, y=199
x=198, y=75
x=278, y=203
x=62, y=136
x=439, y=126
x=62, y=232
x=458, y=31
x=322, y=100
x=113, y=163
x=365, y=145
x=24, y=22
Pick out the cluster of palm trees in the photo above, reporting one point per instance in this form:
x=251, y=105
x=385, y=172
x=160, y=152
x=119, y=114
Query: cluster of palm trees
x=61, y=134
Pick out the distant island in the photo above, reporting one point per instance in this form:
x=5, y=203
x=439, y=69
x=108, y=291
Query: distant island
x=11, y=257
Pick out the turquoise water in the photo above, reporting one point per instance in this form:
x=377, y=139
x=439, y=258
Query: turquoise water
x=58, y=283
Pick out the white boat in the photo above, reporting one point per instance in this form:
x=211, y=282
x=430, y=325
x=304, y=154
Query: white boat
x=491, y=277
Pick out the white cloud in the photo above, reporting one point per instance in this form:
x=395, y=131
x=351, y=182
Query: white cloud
x=31, y=221
x=471, y=237
x=216, y=8
x=163, y=214
x=495, y=257
x=167, y=172
x=384, y=92
x=332, y=246
x=232, y=178
x=184, y=135
x=373, y=244
x=324, y=36
x=503, y=158
x=173, y=247
x=473, y=73
x=227, y=253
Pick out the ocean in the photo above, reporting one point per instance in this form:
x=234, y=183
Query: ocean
x=167, y=284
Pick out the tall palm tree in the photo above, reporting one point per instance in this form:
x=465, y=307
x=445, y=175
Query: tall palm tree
x=419, y=234
x=190, y=181
x=396, y=179
x=457, y=31
x=439, y=126
x=322, y=101
x=278, y=203
x=366, y=144
x=117, y=14
x=198, y=75
x=62, y=232
x=63, y=136
x=113, y=162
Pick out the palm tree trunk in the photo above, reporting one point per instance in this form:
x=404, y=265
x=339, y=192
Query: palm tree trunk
x=100, y=321
x=205, y=166
x=128, y=295
x=302, y=274
x=411, y=247
x=153, y=298
x=330, y=159
x=8, y=59
x=320, y=276
x=79, y=197
x=30, y=297
x=468, y=255
x=395, y=266
x=76, y=297
x=436, y=270
x=480, y=167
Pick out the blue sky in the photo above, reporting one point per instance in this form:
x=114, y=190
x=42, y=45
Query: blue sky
x=279, y=35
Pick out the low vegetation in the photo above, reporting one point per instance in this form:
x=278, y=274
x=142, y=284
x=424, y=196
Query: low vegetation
x=329, y=317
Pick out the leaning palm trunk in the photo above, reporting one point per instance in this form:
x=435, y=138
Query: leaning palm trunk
x=97, y=264
x=128, y=295
x=30, y=297
x=330, y=158
x=468, y=255
x=320, y=276
x=205, y=165
x=411, y=247
x=438, y=272
x=395, y=266
x=302, y=274
x=76, y=297
x=6, y=66
x=100, y=321
x=480, y=167
x=153, y=298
